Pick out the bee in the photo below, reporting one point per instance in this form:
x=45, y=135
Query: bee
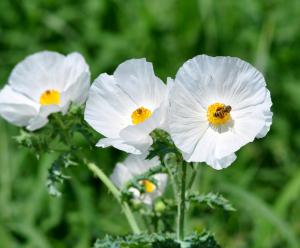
x=222, y=111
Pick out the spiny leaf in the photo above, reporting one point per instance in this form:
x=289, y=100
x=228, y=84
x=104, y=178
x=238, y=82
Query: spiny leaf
x=212, y=200
x=203, y=240
x=56, y=175
x=38, y=142
x=162, y=145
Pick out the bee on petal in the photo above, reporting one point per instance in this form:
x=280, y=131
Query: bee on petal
x=217, y=105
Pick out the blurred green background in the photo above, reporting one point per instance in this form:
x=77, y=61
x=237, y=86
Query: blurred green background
x=264, y=182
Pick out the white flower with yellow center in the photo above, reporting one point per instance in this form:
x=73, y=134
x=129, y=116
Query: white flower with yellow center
x=41, y=84
x=135, y=165
x=126, y=106
x=218, y=104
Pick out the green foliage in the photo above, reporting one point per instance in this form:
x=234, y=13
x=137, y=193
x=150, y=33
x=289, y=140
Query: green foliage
x=162, y=145
x=55, y=174
x=37, y=142
x=203, y=240
x=212, y=200
x=148, y=175
x=264, y=179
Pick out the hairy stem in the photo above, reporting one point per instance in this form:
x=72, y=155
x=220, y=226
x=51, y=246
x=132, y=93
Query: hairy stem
x=64, y=129
x=116, y=193
x=193, y=176
x=173, y=180
x=181, y=204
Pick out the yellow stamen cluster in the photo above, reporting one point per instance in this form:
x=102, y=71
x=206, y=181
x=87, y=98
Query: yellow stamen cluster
x=50, y=97
x=140, y=115
x=218, y=114
x=148, y=185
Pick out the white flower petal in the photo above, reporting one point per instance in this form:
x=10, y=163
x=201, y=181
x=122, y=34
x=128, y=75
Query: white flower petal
x=133, y=133
x=136, y=77
x=117, y=143
x=41, y=119
x=162, y=180
x=16, y=108
x=203, y=81
x=37, y=73
x=268, y=116
x=187, y=119
x=219, y=164
x=108, y=108
x=165, y=108
x=222, y=79
x=138, y=164
x=113, y=99
x=51, y=71
x=77, y=78
x=134, y=166
x=37, y=122
x=121, y=175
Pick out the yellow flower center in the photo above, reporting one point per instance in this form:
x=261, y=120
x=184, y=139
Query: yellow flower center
x=140, y=115
x=50, y=97
x=218, y=113
x=149, y=186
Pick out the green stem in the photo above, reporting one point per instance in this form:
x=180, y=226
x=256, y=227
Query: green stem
x=146, y=223
x=116, y=193
x=64, y=132
x=59, y=121
x=181, y=204
x=193, y=177
x=173, y=180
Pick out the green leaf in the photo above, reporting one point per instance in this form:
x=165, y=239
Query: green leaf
x=162, y=145
x=212, y=200
x=203, y=240
x=37, y=142
x=56, y=175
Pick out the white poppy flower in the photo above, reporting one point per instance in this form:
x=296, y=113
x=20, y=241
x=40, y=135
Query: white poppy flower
x=218, y=104
x=41, y=84
x=135, y=165
x=126, y=106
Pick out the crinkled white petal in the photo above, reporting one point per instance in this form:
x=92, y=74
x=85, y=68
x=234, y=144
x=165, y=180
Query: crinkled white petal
x=37, y=73
x=162, y=180
x=121, y=175
x=77, y=77
x=69, y=75
x=41, y=119
x=138, y=164
x=166, y=107
x=37, y=122
x=16, y=108
x=268, y=116
x=113, y=99
x=136, y=77
x=108, y=108
x=148, y=198
x=228, y=79
x=203, y=81
x=137, y=147
x=187, y=119
x=133, y=166
x=51, y=71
